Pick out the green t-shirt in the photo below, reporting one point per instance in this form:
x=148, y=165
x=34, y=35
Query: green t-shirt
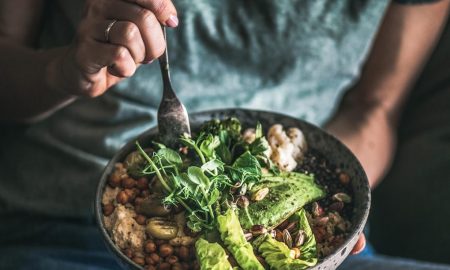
x=294, y=57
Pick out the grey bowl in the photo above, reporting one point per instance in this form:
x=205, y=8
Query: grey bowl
x=317, y=139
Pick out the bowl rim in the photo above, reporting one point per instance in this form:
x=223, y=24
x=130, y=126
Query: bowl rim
x=356, y=231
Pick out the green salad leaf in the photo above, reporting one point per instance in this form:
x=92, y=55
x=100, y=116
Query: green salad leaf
x=246, y=169
x=233, y=237
x=308, y=251
x=211, y=256
x=277, y=255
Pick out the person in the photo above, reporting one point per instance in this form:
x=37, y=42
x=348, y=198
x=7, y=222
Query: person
x=77, y=82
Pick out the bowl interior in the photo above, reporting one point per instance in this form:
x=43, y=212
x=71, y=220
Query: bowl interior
x=317, y=139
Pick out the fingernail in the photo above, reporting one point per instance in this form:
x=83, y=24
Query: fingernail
x=172, y=21
x=147, y=62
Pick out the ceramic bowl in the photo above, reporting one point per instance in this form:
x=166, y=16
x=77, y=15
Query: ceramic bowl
x=317, y=139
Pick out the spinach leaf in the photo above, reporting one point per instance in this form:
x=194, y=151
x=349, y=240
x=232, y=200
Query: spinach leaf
x=245, y=169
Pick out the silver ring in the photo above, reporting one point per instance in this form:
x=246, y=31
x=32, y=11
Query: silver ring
x=108, y=29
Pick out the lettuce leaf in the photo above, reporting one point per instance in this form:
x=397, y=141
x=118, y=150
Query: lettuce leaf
x=233, y=237
x=211, y=256
x=308, y=251
x=277, y=254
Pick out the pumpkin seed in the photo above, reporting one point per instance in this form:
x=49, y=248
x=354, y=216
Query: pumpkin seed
x=260, y=194
x=287, y=238
x=342, y=197
x=299, y=238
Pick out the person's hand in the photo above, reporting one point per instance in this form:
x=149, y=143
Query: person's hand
x=360, y=245
x=113, y=39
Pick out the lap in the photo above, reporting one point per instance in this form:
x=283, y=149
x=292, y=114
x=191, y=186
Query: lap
x=41, y=243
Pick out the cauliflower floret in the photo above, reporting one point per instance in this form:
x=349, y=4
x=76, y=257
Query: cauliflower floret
x=124, y=229
x=287, y=150
x=249, y=135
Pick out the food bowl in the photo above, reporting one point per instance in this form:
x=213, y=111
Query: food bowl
x=317, y=139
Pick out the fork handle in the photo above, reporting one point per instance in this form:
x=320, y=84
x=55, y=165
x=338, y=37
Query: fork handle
x=165, y=71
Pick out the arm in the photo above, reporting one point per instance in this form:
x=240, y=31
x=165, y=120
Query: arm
x=23, y=88
x=368, y=115
x=34, y=84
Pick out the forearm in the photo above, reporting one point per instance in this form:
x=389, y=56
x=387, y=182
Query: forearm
x=405, y=40
x=367, y=118
x=27, y=87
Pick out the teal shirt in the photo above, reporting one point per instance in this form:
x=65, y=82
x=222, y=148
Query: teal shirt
x=294, y=57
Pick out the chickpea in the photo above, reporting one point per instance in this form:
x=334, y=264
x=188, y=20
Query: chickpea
x=140, y=219
x=114, y=180
x=150, y=267
x=164, y=266
x=165, y=250
x=128, y=182
x=150, y=261
x=183, y=253
x=128, y=252
x=139, y=260
x=108, y=209
x=177, y=266
x=172, y=259
x=122, y=197
x=155, y=257
x=150, y=246
x=142, y=183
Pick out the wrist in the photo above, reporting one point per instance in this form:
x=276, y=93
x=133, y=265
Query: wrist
x=58, y=78
x=368, y=132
